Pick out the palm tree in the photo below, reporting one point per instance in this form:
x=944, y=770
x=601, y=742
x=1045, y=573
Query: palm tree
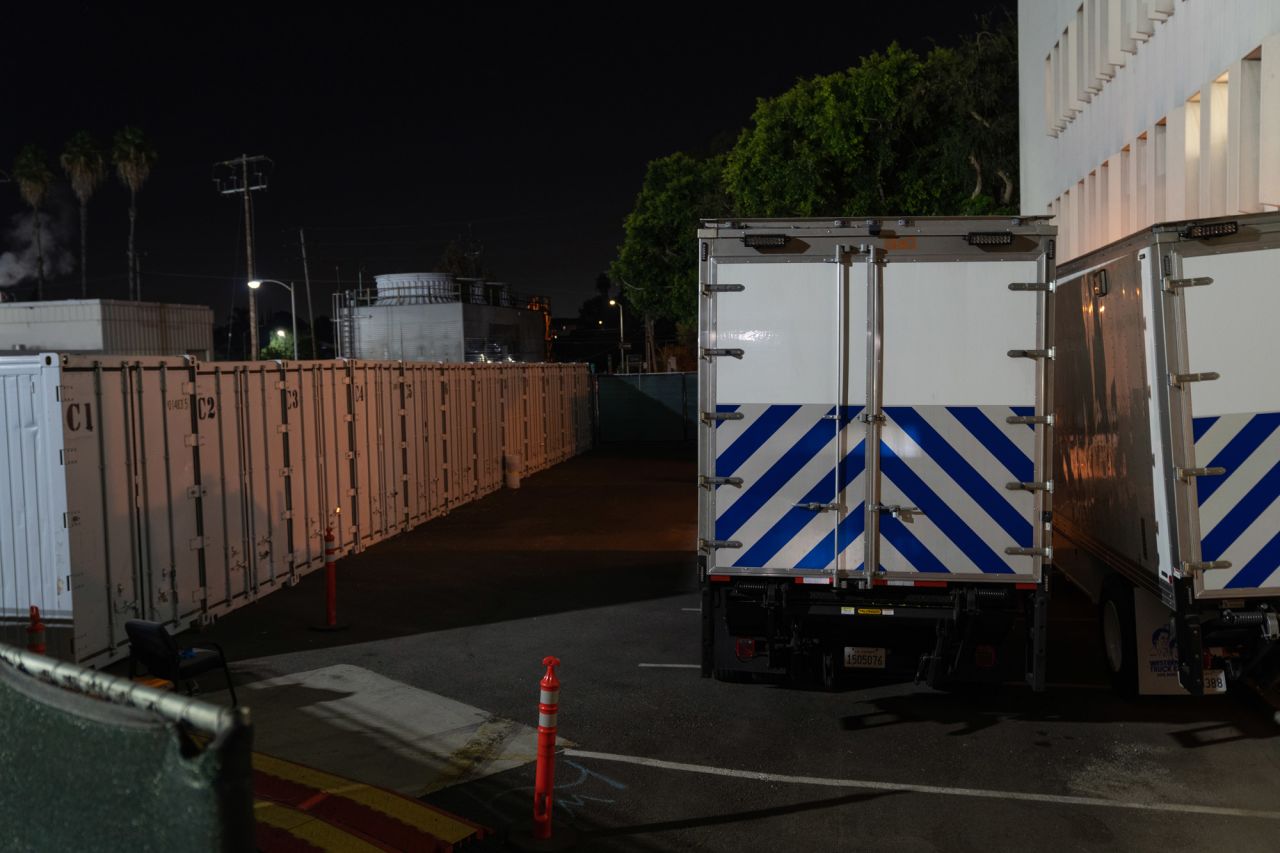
x=31, y=171
x=85, y=166
x=133, y=157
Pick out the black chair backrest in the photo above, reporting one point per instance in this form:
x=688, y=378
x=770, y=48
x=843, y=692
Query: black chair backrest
x=151, y=646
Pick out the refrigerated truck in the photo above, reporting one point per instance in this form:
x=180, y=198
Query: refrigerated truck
x=1167, y=417
x=874, y=446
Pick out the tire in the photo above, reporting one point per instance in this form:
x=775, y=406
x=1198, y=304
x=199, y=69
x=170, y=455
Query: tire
x=1118, y=634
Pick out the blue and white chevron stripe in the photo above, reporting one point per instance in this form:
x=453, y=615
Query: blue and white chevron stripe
x=950, y=461
x=1240, y=510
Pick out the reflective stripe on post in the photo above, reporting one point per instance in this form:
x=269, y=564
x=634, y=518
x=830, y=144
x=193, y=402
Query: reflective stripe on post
x=544, y=777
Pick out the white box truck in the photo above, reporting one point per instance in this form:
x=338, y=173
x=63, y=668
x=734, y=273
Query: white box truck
x=874, y=447
x=1167, y=417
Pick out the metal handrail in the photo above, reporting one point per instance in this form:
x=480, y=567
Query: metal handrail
x=212, y=719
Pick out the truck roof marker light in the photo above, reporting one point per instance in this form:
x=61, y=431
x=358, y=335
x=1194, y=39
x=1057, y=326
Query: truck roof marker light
x=1196, y=231
x=989, y=238
x=765, y=241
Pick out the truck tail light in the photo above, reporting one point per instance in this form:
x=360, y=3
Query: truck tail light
x=744, y=648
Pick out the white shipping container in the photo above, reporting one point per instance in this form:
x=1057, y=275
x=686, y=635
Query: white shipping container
x=109, y=326
x=176, y=490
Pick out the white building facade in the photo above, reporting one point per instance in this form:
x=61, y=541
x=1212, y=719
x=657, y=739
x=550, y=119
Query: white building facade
x=1133, y=112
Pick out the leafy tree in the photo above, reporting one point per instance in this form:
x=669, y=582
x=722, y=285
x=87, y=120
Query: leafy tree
x=657, y=263
x=86, y=168
x=896, y=134
x=32, y=173
x=133, y=156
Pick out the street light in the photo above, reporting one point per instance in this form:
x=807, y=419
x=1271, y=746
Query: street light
x=293, y=313
x=622, y=345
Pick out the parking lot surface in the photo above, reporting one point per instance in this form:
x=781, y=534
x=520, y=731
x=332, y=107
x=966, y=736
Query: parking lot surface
x=433, y=691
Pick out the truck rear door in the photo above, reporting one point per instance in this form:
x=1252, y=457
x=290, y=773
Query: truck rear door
x=1230, y=327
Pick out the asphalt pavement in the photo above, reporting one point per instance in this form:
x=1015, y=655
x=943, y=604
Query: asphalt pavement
x=436, y=682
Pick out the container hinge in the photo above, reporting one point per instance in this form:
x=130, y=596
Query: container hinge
x=189, y=388
x=1024, y=286
x=709, y=289
x=1046, y=486
x=1173, y=285
x=1188, y=473
x=1176, y=379
x=282, y=428
x=715, y=353
x=710, y=417
x=287, y=515
x=195, y=492
x=905, y=514
x=286, y=472
x=1031, y=353
x=868, y=418
x=1012, y=551
x=709, y=482
x=814, y=506
x=195, y=544
x=713, y=544
x=194, y=440
x=1192, y=566
x=1030, y=419
x=280, y=385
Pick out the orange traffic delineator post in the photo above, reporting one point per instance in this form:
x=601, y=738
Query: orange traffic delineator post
x=537, y=837
x=331, y=585
x=544, y=779
x=35, y=633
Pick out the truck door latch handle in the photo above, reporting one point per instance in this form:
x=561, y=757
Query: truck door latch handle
x=905, y=514
x=814, y=506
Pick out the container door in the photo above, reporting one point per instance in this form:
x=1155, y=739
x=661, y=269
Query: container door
x=782, y=456
x=960, y=482
x=1235, y=420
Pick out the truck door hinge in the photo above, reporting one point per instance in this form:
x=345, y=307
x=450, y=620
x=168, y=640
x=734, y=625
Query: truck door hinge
x=1047, y=553
x=815, y=506
x=1190, y=567
x=868, y=418
x=1032, y=286
x=1173, y=285
x=1031, y=353
x=712, y=417
x=1030, y=419
x=719, y=353
x=905, y=514
x=711, y=482
x=1189, y=473
x=1176, y=379
x=714, y=544
x=1046, y=486
x=709, y=289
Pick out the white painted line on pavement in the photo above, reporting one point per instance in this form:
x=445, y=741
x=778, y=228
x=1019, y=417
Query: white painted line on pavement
x=1026, y=796
x=670, y=665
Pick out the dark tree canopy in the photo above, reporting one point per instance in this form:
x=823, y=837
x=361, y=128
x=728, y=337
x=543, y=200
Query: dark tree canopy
x=899, y=133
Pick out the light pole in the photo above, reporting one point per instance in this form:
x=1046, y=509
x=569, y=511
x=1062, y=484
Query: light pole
x=293, y=309
x=622, y=342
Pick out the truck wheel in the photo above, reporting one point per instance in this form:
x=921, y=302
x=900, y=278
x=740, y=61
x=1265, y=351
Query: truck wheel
x=1119, y=635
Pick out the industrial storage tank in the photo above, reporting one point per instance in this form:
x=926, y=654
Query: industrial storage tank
x=415, y=288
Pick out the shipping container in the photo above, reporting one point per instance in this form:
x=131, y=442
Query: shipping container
x=874, y=440
x=106, y=326
x=178, y=490
x=1168, y=456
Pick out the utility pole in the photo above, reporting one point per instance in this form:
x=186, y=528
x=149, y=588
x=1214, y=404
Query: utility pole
x=311, y=317
x=234, y=176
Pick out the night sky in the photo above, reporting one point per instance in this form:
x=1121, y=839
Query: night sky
x=393, y=132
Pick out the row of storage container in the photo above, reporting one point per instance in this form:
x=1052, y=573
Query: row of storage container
x=178, y=490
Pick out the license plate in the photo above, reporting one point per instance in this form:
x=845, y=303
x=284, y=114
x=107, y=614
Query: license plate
x=1215, y=681
x=858, y=657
